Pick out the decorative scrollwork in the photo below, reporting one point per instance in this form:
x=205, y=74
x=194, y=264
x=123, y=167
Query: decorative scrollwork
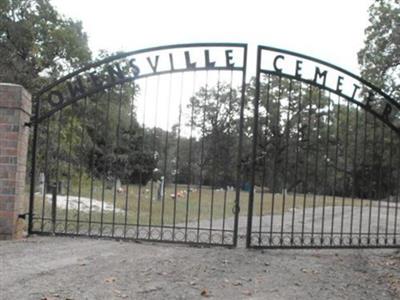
x=191, y=236
x=94, y=230
x=106, y=230
x=119, y=231
x=216, y=238
x=155, y=234
x=179, y=236
x=71, y=227
x=204, y=237
x=130, y=233
x=228, y=239
x=167, y=235
x=47, y=226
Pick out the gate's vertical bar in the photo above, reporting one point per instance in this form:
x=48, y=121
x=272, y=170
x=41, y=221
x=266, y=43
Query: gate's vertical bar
x=240, y=145
x=202, y=159
x=371, y=176
x=379, y=190
x=104, y=172
x=227, y=158
x=154, y=155
x=286, y=129
x=131, y=109
x=390, y=193
x=265, y=174
x=188, y=189
x=214, y=151
x=178, y=144
x=328, y=136
x=317, y=138
x=118, y=133
x=54, y=208
x=355, y=165
x=335, y=169
x=80, y=165
x=296, y=180
x=364, y=161
x=276, y=146
x=305, y=182
x=69, y=139
x=254, y=152
x=92, y=171
x=33, y=165
x=263, y=177
x=345, y=184
x=45, y=174
x=397, y=194
x=142, y=152
x=264, y=171
x=165, y=157
x=58, y=148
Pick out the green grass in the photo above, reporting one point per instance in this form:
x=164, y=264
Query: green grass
x=282, y=203
x=213, y=205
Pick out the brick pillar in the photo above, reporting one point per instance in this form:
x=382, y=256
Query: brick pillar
x=15, y=111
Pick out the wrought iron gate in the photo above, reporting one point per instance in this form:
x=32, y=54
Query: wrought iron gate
x=326, y=157
x=161, y=144
x=129, y=147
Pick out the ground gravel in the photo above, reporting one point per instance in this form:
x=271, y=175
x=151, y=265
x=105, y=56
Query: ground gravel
x=82, y=268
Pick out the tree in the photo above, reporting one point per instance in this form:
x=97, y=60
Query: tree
x=216, y=114
x=379, y=60
x=37, y=44
x=380, y=57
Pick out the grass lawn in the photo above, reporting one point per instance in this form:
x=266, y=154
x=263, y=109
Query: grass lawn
x=137, y=207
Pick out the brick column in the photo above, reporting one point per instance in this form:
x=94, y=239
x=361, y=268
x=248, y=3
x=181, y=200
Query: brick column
x=15, y=111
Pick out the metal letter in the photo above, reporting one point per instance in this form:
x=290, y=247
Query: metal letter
x=96, y=80
x=171, y=61
x=298, y=68
x=153, y=67
x=278, y=70
x=229, y=57
x=320, y=74
x=387, y=111
x=209, y=64
x=135, y=68
x=115, y=71
x=370, y=98
x=356, y=87
x=76, y=89
x=58, y=95
x=189, y=64
x=339, y=84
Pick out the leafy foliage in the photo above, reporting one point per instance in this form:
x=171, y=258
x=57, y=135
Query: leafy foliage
x=37, y=44
x=380, y=57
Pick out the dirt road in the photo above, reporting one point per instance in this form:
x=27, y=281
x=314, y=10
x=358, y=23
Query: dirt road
x=67, y=268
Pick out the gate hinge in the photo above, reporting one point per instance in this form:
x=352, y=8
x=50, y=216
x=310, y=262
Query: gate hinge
x=23, y=216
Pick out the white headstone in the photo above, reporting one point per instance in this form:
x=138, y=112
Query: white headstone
x=42, y=181
x=160, y=192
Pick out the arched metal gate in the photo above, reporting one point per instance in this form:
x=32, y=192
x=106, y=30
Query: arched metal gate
x=326, y=157
x=169, y=143
x=130, y=147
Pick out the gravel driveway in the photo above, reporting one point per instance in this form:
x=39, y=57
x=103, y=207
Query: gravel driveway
x=81, y=268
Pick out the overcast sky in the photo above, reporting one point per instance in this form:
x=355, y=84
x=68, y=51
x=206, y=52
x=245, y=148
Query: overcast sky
x=332, y=30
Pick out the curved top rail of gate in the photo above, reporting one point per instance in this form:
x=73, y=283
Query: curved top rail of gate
x=133, y=65
x=324, y=75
